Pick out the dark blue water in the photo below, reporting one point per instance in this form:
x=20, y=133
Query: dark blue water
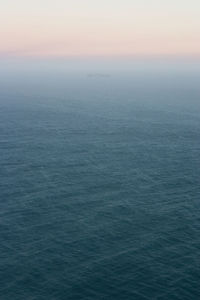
x=100, y=182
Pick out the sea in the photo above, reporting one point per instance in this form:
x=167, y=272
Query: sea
x=99, y=179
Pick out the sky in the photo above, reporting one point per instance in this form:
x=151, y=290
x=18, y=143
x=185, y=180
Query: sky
x=99, y=27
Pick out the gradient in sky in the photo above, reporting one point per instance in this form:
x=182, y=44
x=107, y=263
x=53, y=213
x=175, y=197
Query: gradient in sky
x=94, y=27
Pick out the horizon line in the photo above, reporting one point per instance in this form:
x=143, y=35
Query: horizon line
x=190, y=56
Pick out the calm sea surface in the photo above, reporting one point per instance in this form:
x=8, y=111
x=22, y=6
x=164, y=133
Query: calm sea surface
x=100, y=180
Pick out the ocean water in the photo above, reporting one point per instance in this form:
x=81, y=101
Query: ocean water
x=100, y=180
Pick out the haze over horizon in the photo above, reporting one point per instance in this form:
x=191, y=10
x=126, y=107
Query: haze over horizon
x=94, y=28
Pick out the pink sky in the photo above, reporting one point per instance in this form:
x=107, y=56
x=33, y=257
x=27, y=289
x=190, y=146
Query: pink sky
x=62, y=28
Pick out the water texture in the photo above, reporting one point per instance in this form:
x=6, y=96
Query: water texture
x=100, y=185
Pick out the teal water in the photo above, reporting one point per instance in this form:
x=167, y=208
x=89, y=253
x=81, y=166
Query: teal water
x=99, y=174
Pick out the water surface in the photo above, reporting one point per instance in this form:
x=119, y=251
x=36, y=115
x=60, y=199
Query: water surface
x=99, y=180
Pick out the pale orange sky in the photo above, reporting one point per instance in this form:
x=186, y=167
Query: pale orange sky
x=106, y=27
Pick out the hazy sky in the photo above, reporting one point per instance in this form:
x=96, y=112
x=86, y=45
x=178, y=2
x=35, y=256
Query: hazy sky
x=99, y=27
